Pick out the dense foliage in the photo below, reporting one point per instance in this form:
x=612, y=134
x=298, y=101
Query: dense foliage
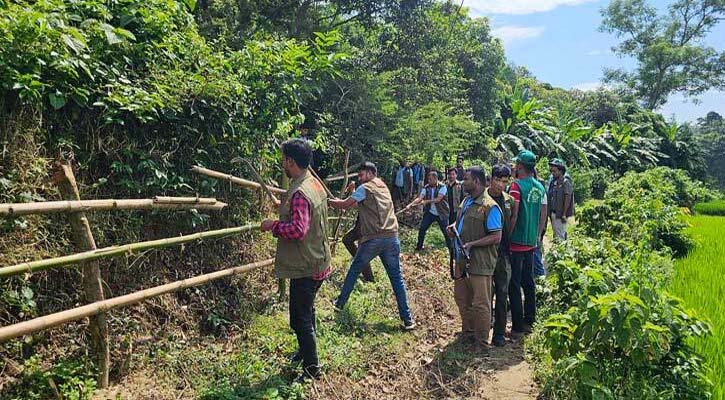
x=612, y=332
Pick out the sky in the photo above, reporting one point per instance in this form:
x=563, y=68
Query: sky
x=560, y=43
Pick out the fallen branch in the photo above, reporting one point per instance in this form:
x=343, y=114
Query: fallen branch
x=59, y=318
x=115, y=251
x=163, y=203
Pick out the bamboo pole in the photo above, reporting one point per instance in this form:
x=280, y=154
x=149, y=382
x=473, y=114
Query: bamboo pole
x=340, y=213
x=264, y=186
x=59, y=318
x=115, y=251
x=92, y=285
x=233, y=179
x=340, y=177
x=71, y=206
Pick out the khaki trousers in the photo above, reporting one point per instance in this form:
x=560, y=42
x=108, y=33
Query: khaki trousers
x=473, y=297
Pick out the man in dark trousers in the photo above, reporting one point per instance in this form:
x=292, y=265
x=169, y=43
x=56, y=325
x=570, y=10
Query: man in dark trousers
x=435, y=208
x=303, y=251
x=378, y=238
x=500, y=178
x=527, y=221
x=454, y=192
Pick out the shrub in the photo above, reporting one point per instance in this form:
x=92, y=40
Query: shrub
x=669, y=185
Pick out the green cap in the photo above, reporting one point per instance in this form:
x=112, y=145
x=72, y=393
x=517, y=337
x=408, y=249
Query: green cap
x=558, y=162
x=525, y=157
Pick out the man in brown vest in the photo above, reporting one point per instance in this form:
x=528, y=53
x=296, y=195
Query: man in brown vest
x=479, y=225
x=378, y=237
x=435, y=208
x=303, y=251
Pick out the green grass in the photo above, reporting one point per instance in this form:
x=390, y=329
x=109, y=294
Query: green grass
x=715, y=207
x=699, y=282
x=367, y=331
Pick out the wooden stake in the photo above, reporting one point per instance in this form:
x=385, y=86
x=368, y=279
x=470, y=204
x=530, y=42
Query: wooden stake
x=74, y=314
x=73, y=206
x=116, y=251
x=92, y=287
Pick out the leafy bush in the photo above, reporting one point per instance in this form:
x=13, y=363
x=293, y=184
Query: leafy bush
x=611, y=332
x=626, y=344
x=73, y=380
x=672, y=186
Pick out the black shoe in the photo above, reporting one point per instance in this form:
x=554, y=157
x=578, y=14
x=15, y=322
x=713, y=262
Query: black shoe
x=308, y=373
x=498, y=341
x=295, y=358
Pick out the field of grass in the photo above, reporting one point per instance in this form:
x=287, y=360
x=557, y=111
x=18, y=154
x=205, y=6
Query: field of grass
x=699, y=282
x=715, y=207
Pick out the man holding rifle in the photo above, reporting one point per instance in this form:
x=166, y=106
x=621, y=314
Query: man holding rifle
x=477, y=233
x=303, y=251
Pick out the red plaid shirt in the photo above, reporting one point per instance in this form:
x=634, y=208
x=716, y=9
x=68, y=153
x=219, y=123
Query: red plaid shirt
x=298, y=225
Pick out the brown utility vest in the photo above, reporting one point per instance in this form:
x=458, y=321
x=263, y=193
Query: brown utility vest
x=377, y=214
x=483, y=258
x=441, y=206
x=307, y=257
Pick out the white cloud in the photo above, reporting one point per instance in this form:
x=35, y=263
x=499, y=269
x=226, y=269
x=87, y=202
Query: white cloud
x=511, y=33
x=519, y=7
x=588, y=86
x=598, y=52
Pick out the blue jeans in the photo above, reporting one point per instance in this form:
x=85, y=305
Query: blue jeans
x=539, y=267
x=388, y=249
x=428, y=220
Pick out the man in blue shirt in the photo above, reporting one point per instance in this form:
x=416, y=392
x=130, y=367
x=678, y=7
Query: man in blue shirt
x=403, y=182
x=435, y=208
x=479, y=224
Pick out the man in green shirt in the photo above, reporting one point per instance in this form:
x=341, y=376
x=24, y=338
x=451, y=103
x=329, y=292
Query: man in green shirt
x=527, y=222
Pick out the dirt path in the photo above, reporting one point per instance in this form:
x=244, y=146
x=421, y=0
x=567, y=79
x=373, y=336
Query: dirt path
x=439, y=365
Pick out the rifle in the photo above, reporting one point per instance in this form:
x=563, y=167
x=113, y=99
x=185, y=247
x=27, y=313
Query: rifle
x=458, y=244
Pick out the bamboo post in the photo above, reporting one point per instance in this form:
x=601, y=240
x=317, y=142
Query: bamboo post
x=101, y=307
x=92, y=287
x=340, y=213
x=233, y=179
x=115, y=251
x=282, y=283
x=74, y=206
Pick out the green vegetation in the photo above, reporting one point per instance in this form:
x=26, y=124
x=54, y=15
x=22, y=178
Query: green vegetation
x=715, y=207
x=610, y=330
x=134, y=92
x=698, y=281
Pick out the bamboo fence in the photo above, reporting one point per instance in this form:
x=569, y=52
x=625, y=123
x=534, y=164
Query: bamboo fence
x=163, y=203
x=115, y=251
x=59, y=318
x=233, y=179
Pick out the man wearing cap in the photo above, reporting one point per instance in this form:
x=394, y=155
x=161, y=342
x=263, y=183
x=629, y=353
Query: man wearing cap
x=303, y=251
x=480, y=226
x=527, y=222
x=378, y=238
x=561, y=195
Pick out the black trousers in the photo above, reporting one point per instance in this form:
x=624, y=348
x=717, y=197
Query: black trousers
x=522, y=277
x=302, y=318
x=428, y=220
x=501, y=277
x=349, y=240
